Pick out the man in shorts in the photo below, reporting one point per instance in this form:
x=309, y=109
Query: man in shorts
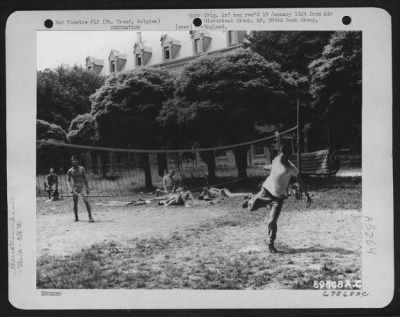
x=274, y=189
x=78, y=185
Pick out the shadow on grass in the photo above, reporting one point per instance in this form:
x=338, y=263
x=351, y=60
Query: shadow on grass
x=287, y=250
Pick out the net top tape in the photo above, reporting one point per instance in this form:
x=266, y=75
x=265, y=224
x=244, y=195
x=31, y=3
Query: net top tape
x=215, y=148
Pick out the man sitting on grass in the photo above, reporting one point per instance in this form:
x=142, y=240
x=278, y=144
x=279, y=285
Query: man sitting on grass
x=52, y=185
x=169, y=184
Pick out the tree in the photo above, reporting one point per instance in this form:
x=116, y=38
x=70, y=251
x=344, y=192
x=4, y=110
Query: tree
x=64, y=93
x=125, y=109
x=188, y=123
x=220, y=98
x=293, y=50
x=336, y=86
x=50, y=155
x=84, y=130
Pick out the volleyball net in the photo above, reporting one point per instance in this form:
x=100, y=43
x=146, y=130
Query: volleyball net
x=126, y=171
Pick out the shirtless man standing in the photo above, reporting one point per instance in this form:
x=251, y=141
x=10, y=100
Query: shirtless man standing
x=78, y=185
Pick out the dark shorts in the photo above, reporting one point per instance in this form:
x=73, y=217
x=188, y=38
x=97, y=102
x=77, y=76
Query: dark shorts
x=273, y=198
x=264, y=198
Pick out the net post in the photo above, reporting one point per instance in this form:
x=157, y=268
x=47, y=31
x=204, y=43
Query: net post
x=298, y=137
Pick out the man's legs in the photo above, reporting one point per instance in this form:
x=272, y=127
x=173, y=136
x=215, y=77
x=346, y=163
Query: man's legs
x=276, y=207
x=75, y=199
x=86, y=201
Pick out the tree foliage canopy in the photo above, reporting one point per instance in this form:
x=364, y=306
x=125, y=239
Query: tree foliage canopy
x=293, y=50
x=49, y=131
x=64, y=93
x=83, y=130
x=127, y=105
x=336, y=82
x=221, y=97
x=50, y=155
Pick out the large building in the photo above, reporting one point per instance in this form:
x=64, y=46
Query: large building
x=172, y=51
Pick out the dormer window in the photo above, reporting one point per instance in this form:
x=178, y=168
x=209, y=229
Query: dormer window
x=197, y=46
x=138, y=60
x=94, y=64
x=113, y=69
x=235, y=37
x=142, y=53
x=117, y=61
x=170, y=48
x=167, y=54
x=201, y=41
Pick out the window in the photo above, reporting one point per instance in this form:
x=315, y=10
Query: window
x=220, y=154
x=138, y=60
x=233, y=37
x=200, y=41
x=259, y=150
x=113, y=69
x=229, y=37
x=197, y=46
x=167, y=54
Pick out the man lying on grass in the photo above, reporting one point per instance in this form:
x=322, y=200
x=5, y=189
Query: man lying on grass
x=273, y=191
x=180, y=198
x=214, y=194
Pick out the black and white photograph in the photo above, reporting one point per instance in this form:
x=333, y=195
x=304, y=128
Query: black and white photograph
x=223, y=160
x=200, y=159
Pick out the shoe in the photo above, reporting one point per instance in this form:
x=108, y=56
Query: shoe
x=91, y=219
x=272, y=249
x=251, y=205
x=76, y=220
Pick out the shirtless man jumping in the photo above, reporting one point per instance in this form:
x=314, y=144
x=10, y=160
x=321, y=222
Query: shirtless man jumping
x=78, y=185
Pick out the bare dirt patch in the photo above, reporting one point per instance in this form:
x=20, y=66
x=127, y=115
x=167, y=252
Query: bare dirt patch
x=202, y=247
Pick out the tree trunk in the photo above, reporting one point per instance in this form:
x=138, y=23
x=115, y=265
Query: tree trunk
x=241, y=161
x=94, y=161
x=209, y=158
x=162, y=164
x=147, y=171
x=103, y=157
x=331, y=134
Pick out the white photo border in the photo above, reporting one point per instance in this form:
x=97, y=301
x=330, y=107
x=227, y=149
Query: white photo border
x=377, y=169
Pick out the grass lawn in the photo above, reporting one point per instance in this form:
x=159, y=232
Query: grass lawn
x=204, y=246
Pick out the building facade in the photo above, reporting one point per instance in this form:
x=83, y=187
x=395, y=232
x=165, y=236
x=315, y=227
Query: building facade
x=172, y=51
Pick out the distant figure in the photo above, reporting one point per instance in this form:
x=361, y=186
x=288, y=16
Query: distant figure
x=51, y=185
x=213, y=193
x=78, y=185
x=180, y=197
x=169, y=184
